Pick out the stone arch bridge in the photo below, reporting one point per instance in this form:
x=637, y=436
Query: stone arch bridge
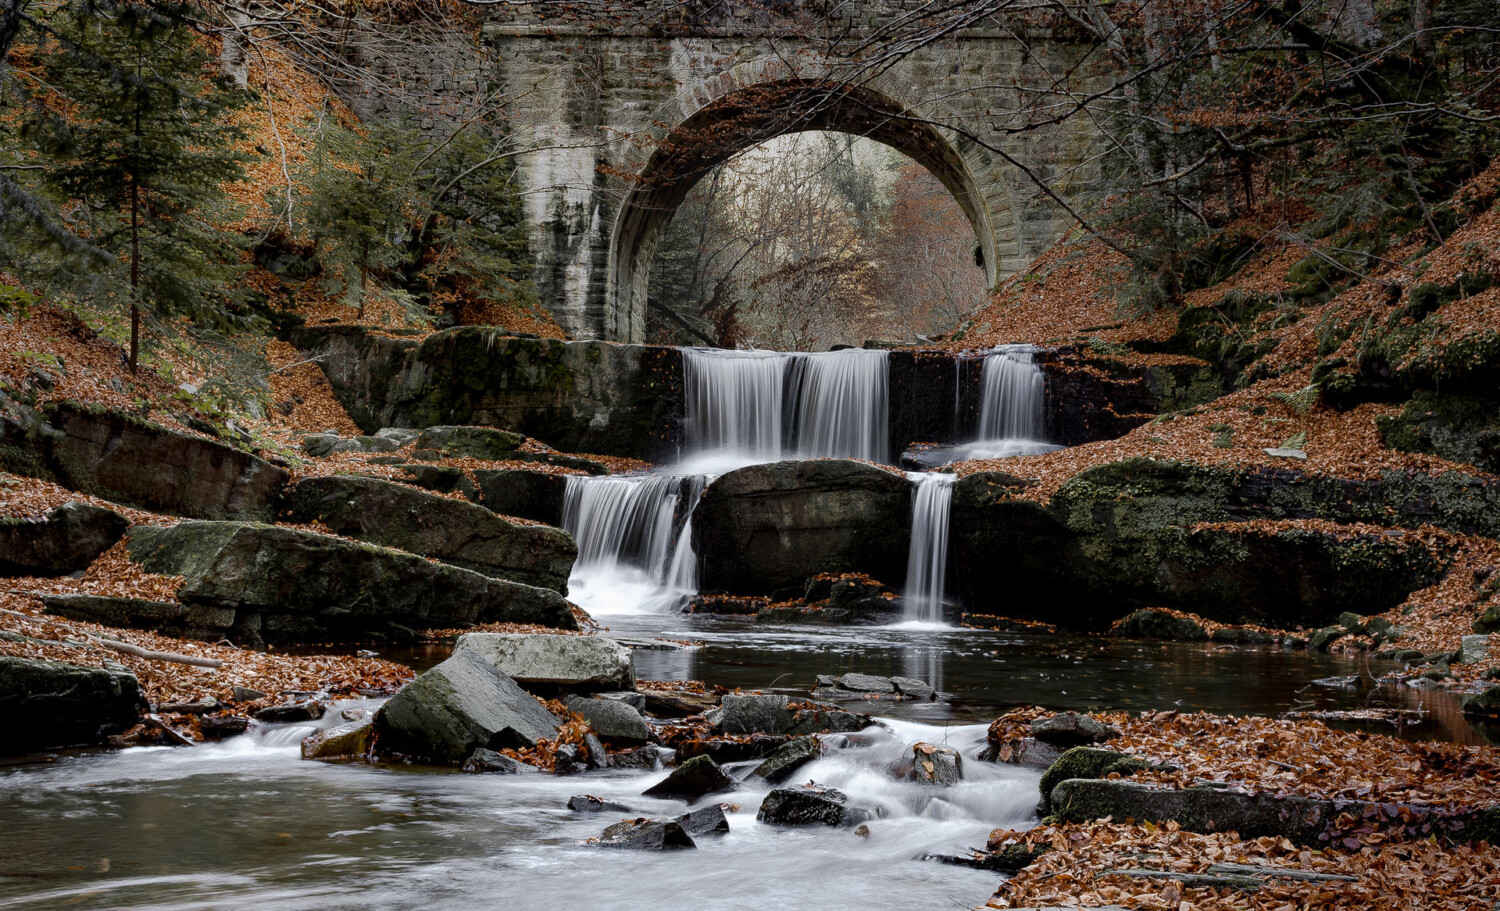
x=625, y=119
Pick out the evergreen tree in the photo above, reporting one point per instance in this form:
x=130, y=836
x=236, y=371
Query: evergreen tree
x=141, y=144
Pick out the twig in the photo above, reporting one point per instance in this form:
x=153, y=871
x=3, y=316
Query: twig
x=171, y=732
x=149, y=655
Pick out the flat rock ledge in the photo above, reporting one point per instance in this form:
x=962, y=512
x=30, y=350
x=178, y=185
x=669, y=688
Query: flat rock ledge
x=287, y=585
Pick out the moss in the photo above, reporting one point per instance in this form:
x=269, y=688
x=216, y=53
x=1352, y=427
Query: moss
x=1086, y=762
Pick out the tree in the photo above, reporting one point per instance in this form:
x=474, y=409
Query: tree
x=139, y=145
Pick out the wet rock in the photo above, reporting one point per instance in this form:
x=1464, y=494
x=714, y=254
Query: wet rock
x=707, y=821
x=934, y=765
x=810, y=805
x=1320, y=640
x=484, y=443
x=646, y=835
x=693, y=779
x=911, y=688
x=569, y=761
x=62, y=540
x=307, y=710
x=460, y=705
x=223, y=725
x=738, y=749
x=679, y=703
x=588, y=803
x=580, y=662
x=866, y=683
x=784, y=762
x=50, y=704
x=647, y=758
x=1071, y=729
x=773, y=714
x=1085, y=762
x=347, y=741
x=1484, y=705
x=188, y=621
x=291, y=585
x=1156, y=624
x=484, y=760
x=121, y=457
x=453, y=531
x=1234, y=635
x=761, y=529
x=612, y=720
x=597, y=757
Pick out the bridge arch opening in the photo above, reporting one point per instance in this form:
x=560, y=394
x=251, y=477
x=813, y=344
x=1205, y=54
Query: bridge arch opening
x=747, y=117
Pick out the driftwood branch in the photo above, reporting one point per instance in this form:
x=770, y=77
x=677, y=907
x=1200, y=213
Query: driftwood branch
x=149, y=655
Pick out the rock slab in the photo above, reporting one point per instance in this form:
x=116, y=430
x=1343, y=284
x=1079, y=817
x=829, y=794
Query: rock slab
x=578, y=662
x=62, y=540
x=50, y=704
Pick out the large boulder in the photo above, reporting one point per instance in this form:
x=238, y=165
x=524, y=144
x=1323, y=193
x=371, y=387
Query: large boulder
x=289, y=585
x=459, y=706
x=769, y=528
x=523, y=492
x=1085, y=763
x=453, y=531
x=612, y=719
x=49, y=704
x=62, y=540
x=123, y=458
x=575, y=662
x=188, y=621
x=578, y=396
x=470, y=442
x=810, y=805
x=772, y=714
x=646, y=835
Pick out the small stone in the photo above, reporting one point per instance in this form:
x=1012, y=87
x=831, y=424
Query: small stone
x=588, y=803
x=787, y=759
x=646, y=835
x=934, y=765
x=310, y=710
x=647, y=758
x=1473, y=650
x=1071, y=729
x=912, y=688
x=707, y=821
x=347, y=741
x=810, y=805
x=866, y=683
x=245, y=694
x=1297, y=454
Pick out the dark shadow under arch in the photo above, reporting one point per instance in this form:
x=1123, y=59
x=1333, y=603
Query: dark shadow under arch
x=747, y=117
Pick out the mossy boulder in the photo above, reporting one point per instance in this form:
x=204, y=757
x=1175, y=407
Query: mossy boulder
x=1085, y=762
x=453, y=531
x=1159, y=624
x=287, y=585
x=767, y=528
x=1463, y=428
x=470, y=442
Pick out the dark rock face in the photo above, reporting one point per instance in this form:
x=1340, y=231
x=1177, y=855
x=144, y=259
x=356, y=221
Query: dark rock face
x=612, y=720
x=1463, y=428
x=646, y=835
x=577, y=396
x=784, y=762
x=123, y=458
x=765, y=528
x=1120, y=536
x=459, y=706
x=189, y=621
x=484, y=760
x=48, y=704
x=62, y=540
x=1092, y=396
x=707, y=821
x=772, y=714
x=693, y=779
x=457, y=533
x=810, y=805
x=534, y=495
x=287, y=585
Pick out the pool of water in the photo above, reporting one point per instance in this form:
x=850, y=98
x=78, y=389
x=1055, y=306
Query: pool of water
x=247, y=823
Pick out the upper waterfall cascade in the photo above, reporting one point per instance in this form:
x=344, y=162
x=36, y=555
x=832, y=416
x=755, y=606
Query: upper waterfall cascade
x=1012, y=400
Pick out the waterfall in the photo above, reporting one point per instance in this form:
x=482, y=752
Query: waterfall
x=1012, y=396
x=747, y=407
x=1012, y=391
x=927, y=556
x=634, y=545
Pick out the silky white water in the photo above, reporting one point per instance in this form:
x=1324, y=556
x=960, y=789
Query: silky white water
x=1012, y=400
x=927, y=556
x=742, y=408
x=249, y=824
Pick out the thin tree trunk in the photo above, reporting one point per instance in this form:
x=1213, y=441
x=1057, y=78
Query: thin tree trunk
x=135, y=274
x=1421, y=20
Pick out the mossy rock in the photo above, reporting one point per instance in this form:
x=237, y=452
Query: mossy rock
x=1086, y=762
x=1156, y=624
